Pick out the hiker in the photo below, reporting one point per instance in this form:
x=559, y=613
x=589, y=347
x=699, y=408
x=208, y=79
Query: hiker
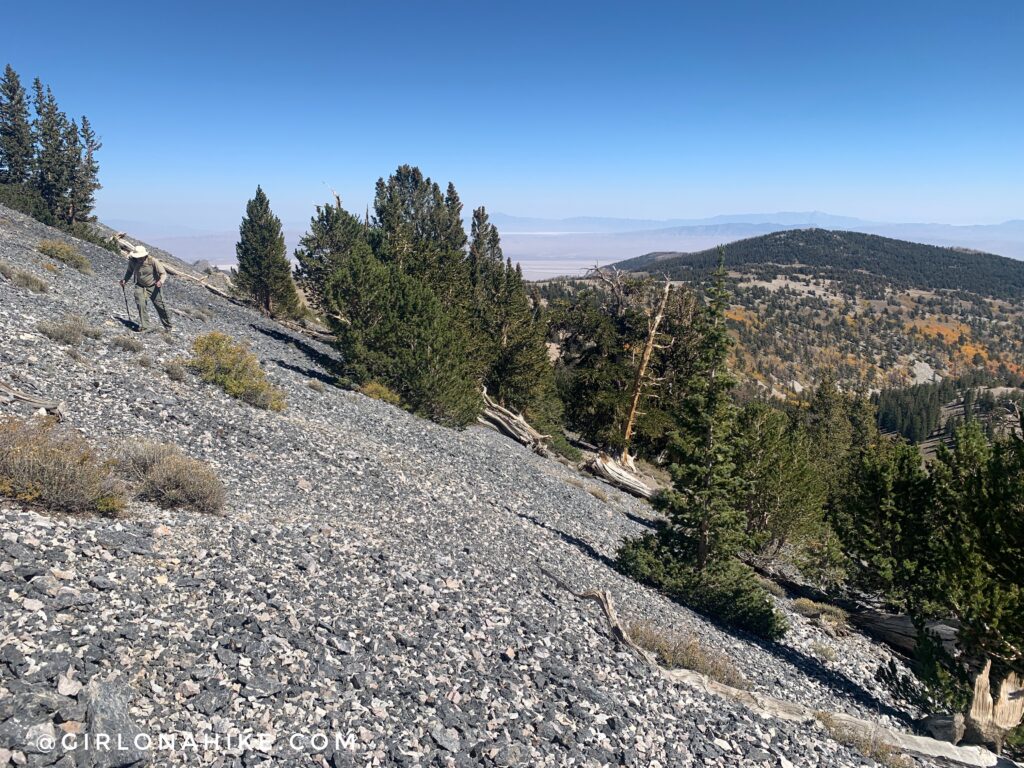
x=150, y=276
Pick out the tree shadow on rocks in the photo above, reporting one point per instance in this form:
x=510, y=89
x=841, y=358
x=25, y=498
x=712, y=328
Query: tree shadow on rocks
x=326, y=361
x=309, y=373
x=836, y=682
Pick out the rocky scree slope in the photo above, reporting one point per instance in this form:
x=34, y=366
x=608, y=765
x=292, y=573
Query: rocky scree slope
x=373, y=583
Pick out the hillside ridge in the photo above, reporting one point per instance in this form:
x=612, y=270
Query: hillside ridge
x=374, y=576
x=838, y=253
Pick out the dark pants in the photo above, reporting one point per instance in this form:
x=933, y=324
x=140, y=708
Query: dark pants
x=144, y=295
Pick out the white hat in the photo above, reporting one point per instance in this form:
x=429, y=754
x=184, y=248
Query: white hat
x=138, y=252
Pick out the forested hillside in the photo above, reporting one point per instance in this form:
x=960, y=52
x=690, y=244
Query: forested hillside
x=875, y=313
x=869, y=263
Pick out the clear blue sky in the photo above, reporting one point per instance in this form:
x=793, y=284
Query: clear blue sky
x=898, y=110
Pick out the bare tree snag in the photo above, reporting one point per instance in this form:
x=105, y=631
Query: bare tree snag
x=513, y=425
x=767, y=706
x=653, y=322
x=991, y=719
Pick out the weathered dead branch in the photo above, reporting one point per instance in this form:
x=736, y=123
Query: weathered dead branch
x=512, y=424
x=9, y=394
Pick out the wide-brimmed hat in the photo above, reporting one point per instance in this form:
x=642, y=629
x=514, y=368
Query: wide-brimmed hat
x=138, y=252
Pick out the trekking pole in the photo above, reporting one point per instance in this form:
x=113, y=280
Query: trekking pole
x=125, y=294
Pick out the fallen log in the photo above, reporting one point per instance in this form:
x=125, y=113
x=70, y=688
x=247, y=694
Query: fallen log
x=605, y=467
x=768, y=706
x=513, y=425
x=9, y=394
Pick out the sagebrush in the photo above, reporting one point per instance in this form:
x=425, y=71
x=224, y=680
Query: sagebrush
x=163, y=474
x=46, y=463
x=70, y=330
x=219, y=359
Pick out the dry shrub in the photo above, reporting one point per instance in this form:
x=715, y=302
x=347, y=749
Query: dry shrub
x=42, y=462
x=828, y=614
x=165, y=475
x=220, y=360
x=175, y=370
x=676, y=651
x=316, y=385
x=70, y=330
x=381, y=392
x=127, y=343
x=868, y=746
x=22, y=278
x=597, y=493
x=823, y=651
x=67, y=253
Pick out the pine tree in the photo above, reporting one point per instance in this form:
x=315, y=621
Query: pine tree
x=53, y=167
x=705, y=521
x=85, y=180
x=16, y=150
x=264, y=272
x=394, y=330
x=334, y=234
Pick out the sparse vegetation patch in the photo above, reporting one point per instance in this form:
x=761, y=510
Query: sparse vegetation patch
x=22, y=278
x=45, y=463
x=675, y=651
x=70, y=330
x=220, y=360
x=162, y=473
x=67, y=253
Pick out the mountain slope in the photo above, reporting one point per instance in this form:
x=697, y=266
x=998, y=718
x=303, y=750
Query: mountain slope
x=855, y=257
x=375, y=576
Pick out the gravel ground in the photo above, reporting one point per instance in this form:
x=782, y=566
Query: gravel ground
x=374, y=582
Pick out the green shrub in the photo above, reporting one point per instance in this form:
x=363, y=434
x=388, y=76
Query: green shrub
x=70, y=330
x=67, y=253
x=727, y=591
x=22, y=278
x=165, y=475
x=127, y=343
x=686, y=652
x=42, y=462
x=220, y=360
x=382, y=392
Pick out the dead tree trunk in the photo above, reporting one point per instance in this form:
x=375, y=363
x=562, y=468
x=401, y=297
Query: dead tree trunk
x=992, y=718
x=653, y=323
x=513, y=425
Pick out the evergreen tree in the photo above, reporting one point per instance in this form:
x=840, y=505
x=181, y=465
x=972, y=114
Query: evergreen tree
x=264, y=273
x=53, y=169
x=396, y=331
x=16, y=150
x=512, y=341
x=783, y=493
x=334, y=234
x=85, y=179
x=705, y=522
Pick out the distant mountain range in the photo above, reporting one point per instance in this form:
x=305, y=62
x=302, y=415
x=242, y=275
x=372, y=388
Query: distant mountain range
x=546, y=247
